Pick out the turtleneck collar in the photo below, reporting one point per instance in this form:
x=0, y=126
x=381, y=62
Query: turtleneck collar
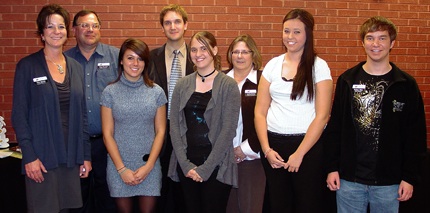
x=129, y=83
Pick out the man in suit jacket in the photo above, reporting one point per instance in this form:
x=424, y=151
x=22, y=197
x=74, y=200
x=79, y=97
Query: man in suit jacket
x=174, y=22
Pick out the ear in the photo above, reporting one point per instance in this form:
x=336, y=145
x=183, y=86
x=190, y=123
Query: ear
x=392, y=44
x=185, y=26
x=215, y=50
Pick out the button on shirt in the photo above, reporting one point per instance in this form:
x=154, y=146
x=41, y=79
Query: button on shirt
x=100, y=70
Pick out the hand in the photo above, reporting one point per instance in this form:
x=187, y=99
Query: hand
x=293, y=162
x=34, y=170
x=239, y=156
x=274, y=159
x=142, y=172
x=405, y=191
x=194, y=175
x=333, y=181
x=128, y=176
x=85, y=169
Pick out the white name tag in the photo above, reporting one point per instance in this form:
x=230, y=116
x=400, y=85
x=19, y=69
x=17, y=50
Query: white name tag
x=250, y=92
x=40, y=80
x=358, y=87
x=103, y=65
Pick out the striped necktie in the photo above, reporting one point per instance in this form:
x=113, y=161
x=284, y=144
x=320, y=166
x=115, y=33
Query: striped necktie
x=175, y=74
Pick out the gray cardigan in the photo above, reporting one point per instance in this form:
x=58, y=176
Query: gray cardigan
x=221, y=115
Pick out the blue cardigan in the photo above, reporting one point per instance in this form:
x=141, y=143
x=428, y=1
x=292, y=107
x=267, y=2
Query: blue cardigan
x=36, y=115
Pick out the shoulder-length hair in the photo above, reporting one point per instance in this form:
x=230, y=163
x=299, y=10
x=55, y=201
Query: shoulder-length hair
x=208, y=40
x=304, y=76
x=250, y=43
x=141, y=49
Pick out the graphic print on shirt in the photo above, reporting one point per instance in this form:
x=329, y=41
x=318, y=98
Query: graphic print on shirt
x=367, y=106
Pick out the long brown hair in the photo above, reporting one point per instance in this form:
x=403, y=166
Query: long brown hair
x=304, y=76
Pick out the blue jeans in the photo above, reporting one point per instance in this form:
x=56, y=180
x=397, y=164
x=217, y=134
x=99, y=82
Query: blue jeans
x=354, y=197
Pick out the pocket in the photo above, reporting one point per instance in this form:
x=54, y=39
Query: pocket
x=104, y=77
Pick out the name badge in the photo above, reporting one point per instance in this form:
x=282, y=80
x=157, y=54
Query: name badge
x=40, y=80
x=250, y=92
x=358, y=87
x=103, y=65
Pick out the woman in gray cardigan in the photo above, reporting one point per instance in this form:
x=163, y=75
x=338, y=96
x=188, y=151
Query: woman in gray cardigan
x=204, y=113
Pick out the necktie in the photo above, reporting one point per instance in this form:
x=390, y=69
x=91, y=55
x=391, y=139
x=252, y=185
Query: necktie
x=175, y=74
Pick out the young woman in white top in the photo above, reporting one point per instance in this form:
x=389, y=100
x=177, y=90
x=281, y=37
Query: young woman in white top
x=292, y=109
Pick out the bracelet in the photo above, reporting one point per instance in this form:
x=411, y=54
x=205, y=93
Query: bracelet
x=120, y=169
x=267, y=152
x=123, y=171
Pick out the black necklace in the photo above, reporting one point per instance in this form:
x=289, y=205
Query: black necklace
x=203, y=77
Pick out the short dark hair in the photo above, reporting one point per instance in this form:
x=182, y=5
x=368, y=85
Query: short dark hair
x=175, y=8
x=84, y=13
x=46, y=12
x=378, y=23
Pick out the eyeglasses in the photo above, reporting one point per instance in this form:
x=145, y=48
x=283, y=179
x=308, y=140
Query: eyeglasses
x=245, y=52
x=86, y=26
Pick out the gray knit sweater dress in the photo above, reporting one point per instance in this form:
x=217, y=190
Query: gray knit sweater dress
x=134, y=106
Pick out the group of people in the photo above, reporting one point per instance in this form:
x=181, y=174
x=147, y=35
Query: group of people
x=102, y=128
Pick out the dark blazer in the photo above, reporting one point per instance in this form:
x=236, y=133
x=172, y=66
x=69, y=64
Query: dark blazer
x=157, y=67
x=248, y=105
x=36, y=114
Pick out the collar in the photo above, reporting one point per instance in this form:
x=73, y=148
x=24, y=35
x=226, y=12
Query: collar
x=98, y=50
x=252, y=76
x=169, y=50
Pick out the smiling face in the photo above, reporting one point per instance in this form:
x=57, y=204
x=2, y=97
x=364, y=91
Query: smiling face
x=377, y=45
x=133, y=65
x=89, y=36
x=294, y=35
x=201, y=56
x=55, y=32
x=241, y=57
x=173, y=26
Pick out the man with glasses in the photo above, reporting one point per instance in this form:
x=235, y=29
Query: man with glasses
x=174, y=23
x=100, y=63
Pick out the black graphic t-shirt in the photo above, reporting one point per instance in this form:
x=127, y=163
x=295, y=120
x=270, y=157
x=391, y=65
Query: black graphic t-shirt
x=368, y=92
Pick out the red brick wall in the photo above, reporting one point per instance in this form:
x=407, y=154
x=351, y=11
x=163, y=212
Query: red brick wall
x=336, y=31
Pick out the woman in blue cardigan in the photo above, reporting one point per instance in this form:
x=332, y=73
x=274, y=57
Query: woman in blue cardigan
x=50, y=120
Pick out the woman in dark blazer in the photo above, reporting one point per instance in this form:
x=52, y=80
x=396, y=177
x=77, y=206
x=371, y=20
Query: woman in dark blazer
x=50, y=120
x=244, y=61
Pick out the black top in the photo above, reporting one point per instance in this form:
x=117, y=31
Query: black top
x=63, y=90
x=199, y=146
x=368, y=91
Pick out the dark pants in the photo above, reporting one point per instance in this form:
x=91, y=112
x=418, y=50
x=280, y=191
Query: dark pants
x=249, y=197
x=301, y=191
x=95, y=192
x=171, y=199
x=209, y=196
